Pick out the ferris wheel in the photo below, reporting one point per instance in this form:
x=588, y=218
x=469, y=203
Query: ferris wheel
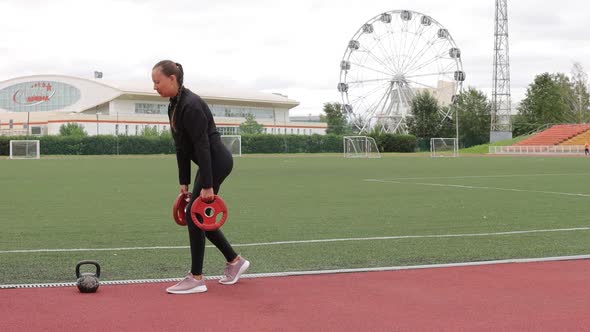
x=391, y=58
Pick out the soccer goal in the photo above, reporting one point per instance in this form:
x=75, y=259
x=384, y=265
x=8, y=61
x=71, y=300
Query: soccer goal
x=233, y=143
x=443, y=147
x=360, y=147
x=24, y=149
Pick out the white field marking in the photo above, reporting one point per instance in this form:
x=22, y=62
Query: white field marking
x=478, y=187
x=489, y=176
x=261, y=244
x=318, y=272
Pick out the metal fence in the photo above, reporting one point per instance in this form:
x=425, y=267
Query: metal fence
x=538, y=149
x=14, y=132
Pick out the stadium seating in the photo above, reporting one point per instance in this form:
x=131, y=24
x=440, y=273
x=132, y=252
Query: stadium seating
x=581, y=139
x=556, y=135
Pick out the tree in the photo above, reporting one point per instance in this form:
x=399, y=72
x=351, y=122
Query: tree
x=574, y=90
x=150, y=131
x=425, y=121
x=356, y=123
x=474, y=111
x=447, y=126
x=377, y=130
x=250, y=126
x=580, y=98
x=544, y=103
x=567, y=93
x=336, y=119
x=72, y=129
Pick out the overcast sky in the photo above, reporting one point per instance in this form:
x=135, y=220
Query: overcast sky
x=292, y=47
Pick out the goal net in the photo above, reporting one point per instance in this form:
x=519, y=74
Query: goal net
x=24, y=149
x=233, y=143
x=443, y=147
x=360, y=147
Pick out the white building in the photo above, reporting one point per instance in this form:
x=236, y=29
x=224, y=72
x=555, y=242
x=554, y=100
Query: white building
x=41, y=104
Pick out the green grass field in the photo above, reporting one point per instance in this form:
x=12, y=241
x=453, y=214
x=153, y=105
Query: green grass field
x=414, y=210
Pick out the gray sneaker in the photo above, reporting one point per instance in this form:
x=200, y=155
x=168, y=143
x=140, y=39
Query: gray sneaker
x=233, y=271
x=188, y=285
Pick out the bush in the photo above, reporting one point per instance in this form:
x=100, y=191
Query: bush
x=291, y=143
x=163, y=144
x=395, y=143
x=98, y=145
x=72, y=129
x=5, y=143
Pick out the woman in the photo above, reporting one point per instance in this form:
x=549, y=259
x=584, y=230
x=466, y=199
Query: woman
x=196, y=139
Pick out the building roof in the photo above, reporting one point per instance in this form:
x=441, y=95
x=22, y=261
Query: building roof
x=145, y=88
x=205, y=91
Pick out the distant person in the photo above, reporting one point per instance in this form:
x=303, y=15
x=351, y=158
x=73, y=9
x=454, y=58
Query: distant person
x=586, y=149
x=196, y=139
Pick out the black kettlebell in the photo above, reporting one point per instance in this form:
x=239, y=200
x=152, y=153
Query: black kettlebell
x=87, y=282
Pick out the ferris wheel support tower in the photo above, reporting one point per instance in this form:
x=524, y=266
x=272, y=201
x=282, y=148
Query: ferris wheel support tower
x=501, y=127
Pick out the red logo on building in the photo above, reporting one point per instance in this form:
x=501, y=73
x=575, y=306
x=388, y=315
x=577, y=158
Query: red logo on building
x=35, y=94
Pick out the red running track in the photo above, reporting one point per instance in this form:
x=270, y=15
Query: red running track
x=546, y=296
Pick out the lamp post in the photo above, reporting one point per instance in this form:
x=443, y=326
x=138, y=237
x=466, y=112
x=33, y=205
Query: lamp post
x=97, y=130
x=457, y=127
x=28, y=123
x=117, y=132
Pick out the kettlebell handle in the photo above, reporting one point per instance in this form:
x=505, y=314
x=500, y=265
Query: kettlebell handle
x=87, y=263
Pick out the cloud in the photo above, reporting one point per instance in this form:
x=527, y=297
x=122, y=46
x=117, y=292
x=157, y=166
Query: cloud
x=294, y=47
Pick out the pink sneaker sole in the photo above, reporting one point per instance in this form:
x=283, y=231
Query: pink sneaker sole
x=198, y=289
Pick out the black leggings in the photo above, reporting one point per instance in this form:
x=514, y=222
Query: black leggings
x=222, y=164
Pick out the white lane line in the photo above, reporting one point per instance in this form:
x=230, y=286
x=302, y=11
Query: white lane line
x=477, y=187
x=318, y=272
x=489, y=176
x=261, y=244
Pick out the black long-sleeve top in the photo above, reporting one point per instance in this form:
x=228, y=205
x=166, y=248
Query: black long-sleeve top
x=195, y=132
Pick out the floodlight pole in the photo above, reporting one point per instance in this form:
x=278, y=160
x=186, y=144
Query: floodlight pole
x=501, y=122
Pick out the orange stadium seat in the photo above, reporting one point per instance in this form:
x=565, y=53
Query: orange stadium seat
x=557, y=135
x=581, y=139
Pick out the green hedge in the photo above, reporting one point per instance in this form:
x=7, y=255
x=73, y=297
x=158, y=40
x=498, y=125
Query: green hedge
x=395, y=143
x=291, y=143
x=96, y=145
x=112, y=145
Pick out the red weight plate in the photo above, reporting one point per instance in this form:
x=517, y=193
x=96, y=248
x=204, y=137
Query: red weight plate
x=178, y=209
x=213, y=214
